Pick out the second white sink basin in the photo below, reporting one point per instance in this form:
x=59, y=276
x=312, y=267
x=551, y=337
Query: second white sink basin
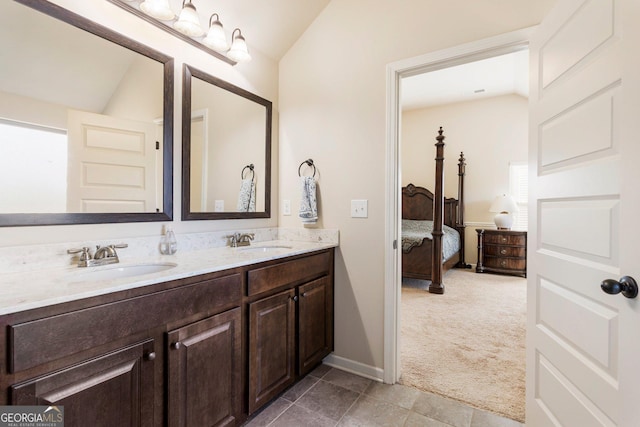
x=118, y=272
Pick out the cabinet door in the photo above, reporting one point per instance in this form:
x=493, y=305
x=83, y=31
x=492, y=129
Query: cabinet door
x=116, y=389
x=204, y=361
x=271, y=347
x=315, y=327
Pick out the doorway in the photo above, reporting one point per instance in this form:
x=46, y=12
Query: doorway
x=475, y=51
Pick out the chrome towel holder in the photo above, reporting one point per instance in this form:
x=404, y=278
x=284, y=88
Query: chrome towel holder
x=250, y=167
x=309, y=163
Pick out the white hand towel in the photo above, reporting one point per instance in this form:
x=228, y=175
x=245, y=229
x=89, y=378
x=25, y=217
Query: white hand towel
x=308, y=205
x=247, y=196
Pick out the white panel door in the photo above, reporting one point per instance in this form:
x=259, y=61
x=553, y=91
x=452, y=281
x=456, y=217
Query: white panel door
x=583, y=345
x=112, y=164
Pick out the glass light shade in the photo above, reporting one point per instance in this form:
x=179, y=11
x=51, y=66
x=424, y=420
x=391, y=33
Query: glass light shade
x=238, y=51
x=188, y=22
x=158, y=9
x=216, y=39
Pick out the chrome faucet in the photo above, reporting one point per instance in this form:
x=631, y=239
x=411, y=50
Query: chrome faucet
x=104, y=252
x=104, y=255
x=245, y=239
x=238, y=239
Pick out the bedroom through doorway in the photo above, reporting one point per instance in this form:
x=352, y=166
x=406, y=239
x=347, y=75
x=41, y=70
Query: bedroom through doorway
x=468, y=344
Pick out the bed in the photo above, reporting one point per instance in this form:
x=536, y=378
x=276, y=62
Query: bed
x=433, y=227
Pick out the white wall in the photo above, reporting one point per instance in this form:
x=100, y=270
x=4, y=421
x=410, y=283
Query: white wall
x=259, y=76
x=332, y=109
x=491, y=132
x=331, y=90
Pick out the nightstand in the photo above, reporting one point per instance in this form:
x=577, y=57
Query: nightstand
x=502, y=251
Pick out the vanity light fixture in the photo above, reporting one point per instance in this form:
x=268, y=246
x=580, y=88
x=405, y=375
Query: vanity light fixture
x=216, y=39
x=187, y=27
x=159, y=9
x=238, y=51
x=188, y=22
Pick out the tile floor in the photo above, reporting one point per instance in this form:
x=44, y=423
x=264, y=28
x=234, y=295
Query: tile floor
x=331, y=397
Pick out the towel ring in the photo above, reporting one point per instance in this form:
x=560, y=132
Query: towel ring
x=250, y=167
x=309, y=163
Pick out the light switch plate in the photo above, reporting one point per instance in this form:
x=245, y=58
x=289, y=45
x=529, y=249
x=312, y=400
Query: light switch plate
x=286, y=207
x=218, y=206
x=359, y=209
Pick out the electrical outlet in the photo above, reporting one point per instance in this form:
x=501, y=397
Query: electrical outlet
x=286, y=207
x=218, y=206
x=359, y=209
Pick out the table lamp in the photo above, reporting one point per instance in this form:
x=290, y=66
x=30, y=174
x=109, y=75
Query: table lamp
x=505, y=206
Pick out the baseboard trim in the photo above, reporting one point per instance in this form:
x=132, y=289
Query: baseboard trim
x=348, y=365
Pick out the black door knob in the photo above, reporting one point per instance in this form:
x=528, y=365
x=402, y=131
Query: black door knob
x=627, y=286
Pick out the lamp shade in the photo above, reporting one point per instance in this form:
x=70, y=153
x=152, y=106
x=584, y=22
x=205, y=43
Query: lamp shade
x=216, y=39
x=159, y=9
x=238, y=51
x=504, y=203
x=505, y=206
x=188, y=22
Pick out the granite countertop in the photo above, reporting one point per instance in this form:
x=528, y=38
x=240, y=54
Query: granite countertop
x=28, y=290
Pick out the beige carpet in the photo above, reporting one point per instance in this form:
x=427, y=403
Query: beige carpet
x=468, y=344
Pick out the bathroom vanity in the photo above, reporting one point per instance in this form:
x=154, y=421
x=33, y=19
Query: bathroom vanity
x=187, y=347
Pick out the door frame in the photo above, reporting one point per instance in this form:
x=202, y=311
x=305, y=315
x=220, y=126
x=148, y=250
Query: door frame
x=469, y=52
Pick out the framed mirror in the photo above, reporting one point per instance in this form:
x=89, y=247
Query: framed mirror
x=226, y=150
x=86, y=121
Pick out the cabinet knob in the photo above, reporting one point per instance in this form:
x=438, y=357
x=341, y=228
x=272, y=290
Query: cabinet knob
x=503, y=263
x=176, y=345
x=304, y=294
x=503, y=251
x=151, y=355
x=504, y=239
x=295, y=297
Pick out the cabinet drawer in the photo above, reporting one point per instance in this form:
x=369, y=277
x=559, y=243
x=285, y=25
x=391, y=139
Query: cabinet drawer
x=505, y=263
x=303, y=269
x=505, y=251
x=51, y=338
x=505, y=239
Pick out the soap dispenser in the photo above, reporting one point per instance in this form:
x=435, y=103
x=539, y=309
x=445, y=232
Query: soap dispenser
x=168, y=243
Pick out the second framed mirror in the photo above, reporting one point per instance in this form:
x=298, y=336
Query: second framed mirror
x=226, y=150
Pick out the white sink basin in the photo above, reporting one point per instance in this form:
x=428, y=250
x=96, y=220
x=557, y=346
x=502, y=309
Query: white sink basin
x=264, y=248
x=118, y=272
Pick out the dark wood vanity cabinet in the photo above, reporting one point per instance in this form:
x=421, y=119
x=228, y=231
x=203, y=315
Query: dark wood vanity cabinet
x=204, y=367
x=290, y=323
x=201, y=351
x=315, y=323
x=271, y=347
x=167, y=354
x=116, y=389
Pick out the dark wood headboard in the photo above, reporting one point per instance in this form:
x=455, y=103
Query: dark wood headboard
x=417, y=204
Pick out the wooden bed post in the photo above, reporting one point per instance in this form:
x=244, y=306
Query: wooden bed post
x=460, y=216
x=436, y=286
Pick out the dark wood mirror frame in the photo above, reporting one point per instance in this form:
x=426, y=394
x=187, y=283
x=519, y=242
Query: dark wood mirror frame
x=32, y=219
x=188, y=73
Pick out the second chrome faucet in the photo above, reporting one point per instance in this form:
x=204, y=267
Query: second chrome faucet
x=238, y=239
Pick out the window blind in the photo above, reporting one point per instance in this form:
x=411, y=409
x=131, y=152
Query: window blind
x=519, y=189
